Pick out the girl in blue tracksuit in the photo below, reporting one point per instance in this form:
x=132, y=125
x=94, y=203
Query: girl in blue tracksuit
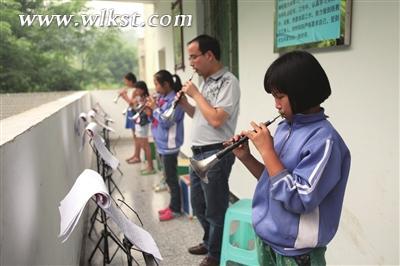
x=168, y=136
x=302, y=179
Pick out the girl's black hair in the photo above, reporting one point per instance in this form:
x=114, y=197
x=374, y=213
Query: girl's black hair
x=164, y=76
x=300, y=76
x=142, y=85
x=131, y=77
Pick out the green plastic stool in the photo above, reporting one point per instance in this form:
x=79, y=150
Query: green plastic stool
x=241, y=246
x=183, y=167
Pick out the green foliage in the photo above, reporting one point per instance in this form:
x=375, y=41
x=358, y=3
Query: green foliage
x=55, y=58
x=111, y=57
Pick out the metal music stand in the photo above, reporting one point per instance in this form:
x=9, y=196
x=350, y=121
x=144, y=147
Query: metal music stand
x=126, y=246
x=148, y=258
x=106, y=172
x=106, y=233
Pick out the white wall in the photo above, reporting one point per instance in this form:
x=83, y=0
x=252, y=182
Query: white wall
x=38, y=167
x=364, y=107
x=150, y=44
x=114, y=110
x=163, y=39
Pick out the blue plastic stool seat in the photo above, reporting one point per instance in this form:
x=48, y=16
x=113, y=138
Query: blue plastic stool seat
x=240, y=246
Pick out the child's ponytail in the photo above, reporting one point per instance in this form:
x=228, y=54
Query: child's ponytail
x=177, y=86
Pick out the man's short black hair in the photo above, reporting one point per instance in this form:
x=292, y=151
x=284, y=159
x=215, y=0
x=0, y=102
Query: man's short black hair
x=208, y=43
x=300, y=76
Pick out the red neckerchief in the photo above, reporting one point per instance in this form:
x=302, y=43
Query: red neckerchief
x=161, y=101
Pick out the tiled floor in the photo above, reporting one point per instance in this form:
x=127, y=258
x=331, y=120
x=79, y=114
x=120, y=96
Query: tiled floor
x=172, y=237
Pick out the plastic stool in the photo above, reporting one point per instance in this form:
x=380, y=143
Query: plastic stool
x=240, y=246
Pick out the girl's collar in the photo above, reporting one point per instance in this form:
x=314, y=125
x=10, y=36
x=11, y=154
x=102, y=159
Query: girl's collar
x=308, y=118
x=169, y=94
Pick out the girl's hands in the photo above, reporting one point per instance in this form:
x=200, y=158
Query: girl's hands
x=261, y=138
x=242, y=152
x=151, y=103
x=122, y=92
x=150, y=106
x=182, y=98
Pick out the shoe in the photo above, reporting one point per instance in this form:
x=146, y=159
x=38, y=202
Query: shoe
x=130, y=158
x=168, y=215
x=200, y=249
x=161, y=187
x=147, y=172
x=163, y=211
x=209, y=261
x=134, y=160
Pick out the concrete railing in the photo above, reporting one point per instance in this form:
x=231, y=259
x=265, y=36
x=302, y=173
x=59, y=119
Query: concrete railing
x=40, y=161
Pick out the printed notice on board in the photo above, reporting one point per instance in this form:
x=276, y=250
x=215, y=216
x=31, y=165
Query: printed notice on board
x=306, y=21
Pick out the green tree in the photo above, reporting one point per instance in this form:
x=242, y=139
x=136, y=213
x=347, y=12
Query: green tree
x=109, y=59
x=35, y=58
x=57, y=58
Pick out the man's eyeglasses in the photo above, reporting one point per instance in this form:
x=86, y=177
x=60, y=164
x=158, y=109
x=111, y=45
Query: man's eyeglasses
x=194, y=56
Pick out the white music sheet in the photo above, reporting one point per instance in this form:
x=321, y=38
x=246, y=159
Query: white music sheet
x=88, y=184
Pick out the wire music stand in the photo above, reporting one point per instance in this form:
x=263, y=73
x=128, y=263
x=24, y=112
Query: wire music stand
x=106, y=172
x=125, y=245
x=107, y=233
x=148, y=258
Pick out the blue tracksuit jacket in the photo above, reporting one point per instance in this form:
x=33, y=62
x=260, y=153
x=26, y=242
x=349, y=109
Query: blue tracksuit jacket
x=299, y=209
x=168, y=135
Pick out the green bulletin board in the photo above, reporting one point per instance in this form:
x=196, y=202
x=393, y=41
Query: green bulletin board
x=302, y=24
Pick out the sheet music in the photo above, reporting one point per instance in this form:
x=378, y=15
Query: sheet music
x=93, y=115
x=101, y=109
x=80, y=125
x=103, y=125
x=136, y=235
x=106, y=117
x=88, y=184
x=104, y=152
x=92, y=128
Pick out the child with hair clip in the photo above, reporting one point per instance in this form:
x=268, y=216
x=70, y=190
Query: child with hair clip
x=301, y=182
x=168, y=136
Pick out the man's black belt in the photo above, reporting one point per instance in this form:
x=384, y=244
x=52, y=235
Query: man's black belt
x=205, y=148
